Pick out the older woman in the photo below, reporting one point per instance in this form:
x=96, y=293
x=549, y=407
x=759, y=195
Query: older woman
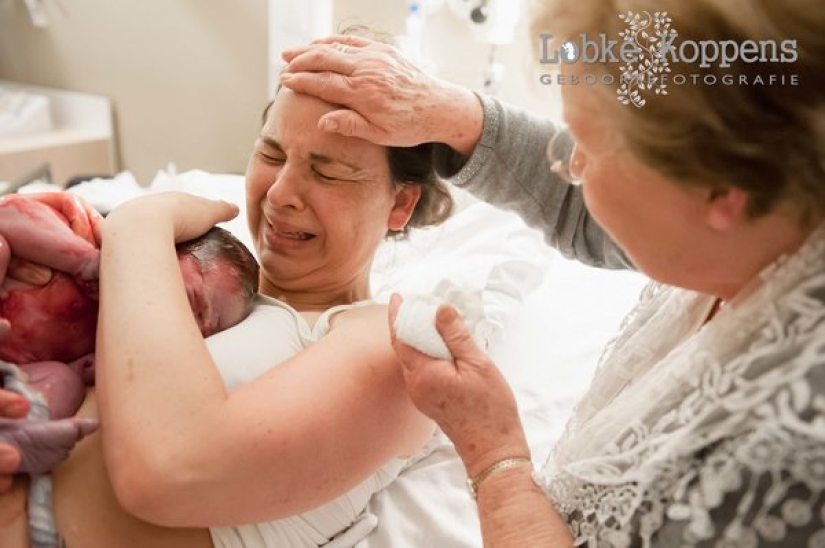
x=300, y=447
x=704, y=424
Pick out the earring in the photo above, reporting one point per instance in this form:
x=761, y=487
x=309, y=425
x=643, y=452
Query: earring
x=561, y=153
x=577, y=163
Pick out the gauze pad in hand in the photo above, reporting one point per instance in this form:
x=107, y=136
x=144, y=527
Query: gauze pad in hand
x=415, y=322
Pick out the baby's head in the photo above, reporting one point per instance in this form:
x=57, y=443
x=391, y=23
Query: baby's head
x=221, y=279
x=57, y=321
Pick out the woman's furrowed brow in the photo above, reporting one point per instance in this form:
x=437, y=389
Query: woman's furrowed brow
x=270, y=142
x=322, y=159
x=314, y=156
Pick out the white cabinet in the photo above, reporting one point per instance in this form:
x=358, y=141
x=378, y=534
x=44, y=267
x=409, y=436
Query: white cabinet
x=80, y=141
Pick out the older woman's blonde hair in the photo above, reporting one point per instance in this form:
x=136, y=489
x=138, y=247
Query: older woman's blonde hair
x=766, y=139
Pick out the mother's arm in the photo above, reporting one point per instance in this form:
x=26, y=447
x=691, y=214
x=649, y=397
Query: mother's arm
x=183, y=451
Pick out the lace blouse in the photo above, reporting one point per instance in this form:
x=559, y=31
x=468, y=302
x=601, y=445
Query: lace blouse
x=705, y=435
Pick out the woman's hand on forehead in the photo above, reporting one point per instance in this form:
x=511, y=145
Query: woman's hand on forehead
x=390, y=101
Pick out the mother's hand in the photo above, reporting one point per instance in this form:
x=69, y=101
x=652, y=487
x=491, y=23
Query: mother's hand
x=186, y=215
x=391, y=101
x=468, y=398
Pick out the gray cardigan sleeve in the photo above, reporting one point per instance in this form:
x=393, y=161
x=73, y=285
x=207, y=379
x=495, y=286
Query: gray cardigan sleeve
x=509, y=169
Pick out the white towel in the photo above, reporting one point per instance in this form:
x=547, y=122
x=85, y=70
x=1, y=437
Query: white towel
x=415, y=322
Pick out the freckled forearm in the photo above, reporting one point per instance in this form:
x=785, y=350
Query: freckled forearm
x=515, y=512
x=462, y=122
x=151, y=375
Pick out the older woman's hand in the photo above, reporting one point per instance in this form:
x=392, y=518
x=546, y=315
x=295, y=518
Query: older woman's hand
x=468, y=398
x=390, y=100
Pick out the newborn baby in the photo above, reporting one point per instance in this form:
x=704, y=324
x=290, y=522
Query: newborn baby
x=50, y=328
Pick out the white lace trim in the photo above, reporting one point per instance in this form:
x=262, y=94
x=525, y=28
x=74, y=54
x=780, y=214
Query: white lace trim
x=684, y=423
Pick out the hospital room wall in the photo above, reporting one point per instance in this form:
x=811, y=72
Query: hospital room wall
x=187, y=79
x=450, y=50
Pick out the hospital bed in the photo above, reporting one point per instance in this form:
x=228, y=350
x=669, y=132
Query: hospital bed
x=552, y=317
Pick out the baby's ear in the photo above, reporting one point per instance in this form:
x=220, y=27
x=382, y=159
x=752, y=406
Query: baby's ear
x=406, y=198
x=726, y=208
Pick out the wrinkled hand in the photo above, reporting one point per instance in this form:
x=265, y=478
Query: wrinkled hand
x=43, y=444
x=392, y=102
x=188, y=215
x=468, y=398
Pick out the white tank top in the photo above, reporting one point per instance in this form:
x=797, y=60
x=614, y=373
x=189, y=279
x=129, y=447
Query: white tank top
x=241, y=356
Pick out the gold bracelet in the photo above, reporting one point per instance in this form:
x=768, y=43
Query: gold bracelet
x=511, y=462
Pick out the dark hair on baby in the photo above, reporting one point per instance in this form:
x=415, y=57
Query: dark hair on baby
x=220, y=246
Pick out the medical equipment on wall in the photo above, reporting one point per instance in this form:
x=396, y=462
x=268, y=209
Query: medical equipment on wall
x=412, y=41
x=492, y=22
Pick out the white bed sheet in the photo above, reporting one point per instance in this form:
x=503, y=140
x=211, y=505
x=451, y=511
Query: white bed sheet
x=548, y=354
x=557, y=323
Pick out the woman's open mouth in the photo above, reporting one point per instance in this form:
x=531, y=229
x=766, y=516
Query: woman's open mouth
x=287, y=236
x=296, y=235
